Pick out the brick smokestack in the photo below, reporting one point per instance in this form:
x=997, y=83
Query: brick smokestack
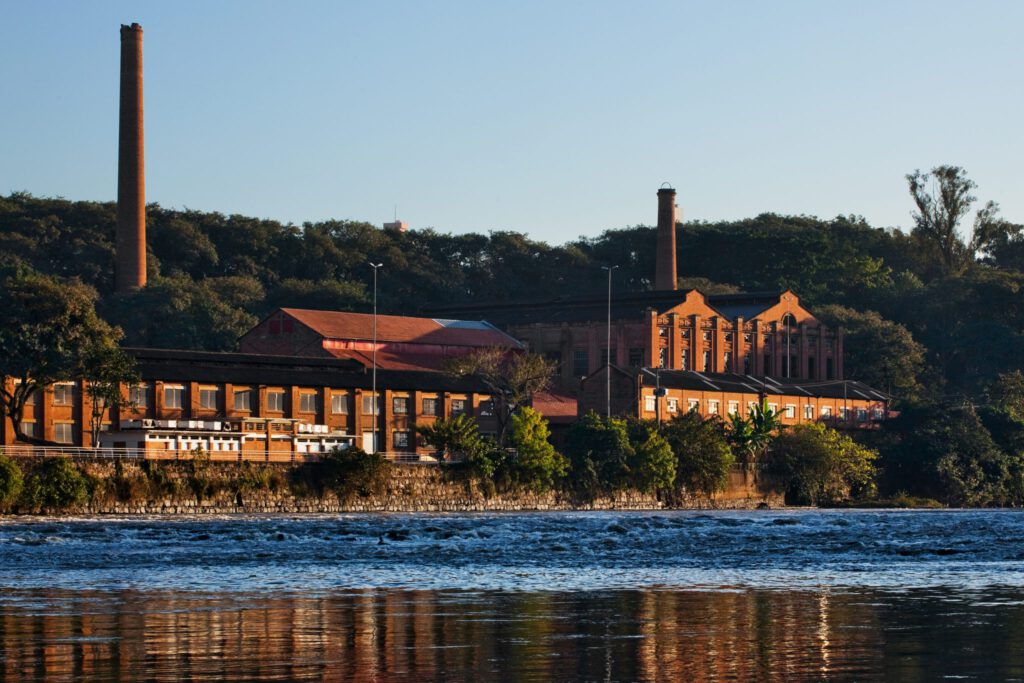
x=130, y=268
x=665, y=266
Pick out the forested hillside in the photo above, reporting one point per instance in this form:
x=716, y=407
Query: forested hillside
x=928, y=313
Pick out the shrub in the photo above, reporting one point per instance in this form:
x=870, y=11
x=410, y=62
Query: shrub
x=599, y=453
x=11, y=481
x=821, y=466
x=536, y=464
x=459, y=439
x=56, y=484
x=702, y=452
x=652, y=466
x=352, y=471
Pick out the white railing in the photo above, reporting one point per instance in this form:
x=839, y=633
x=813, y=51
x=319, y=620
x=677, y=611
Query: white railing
x=57, y=451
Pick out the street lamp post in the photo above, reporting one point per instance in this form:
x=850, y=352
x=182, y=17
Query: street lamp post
x=608, y=349
x=375, y=399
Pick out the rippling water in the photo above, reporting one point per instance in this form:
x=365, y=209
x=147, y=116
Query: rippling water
x=591, y=596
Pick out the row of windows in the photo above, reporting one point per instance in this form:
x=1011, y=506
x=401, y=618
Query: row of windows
x=788, y=411
x=309, y=402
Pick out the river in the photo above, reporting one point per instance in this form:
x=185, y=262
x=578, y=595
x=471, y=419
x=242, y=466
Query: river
x=610, y=596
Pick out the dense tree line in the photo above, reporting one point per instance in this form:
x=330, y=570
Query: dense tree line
x=934, y=314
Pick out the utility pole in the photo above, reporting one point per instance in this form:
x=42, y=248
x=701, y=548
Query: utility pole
x=376, y=399
x=608, y=348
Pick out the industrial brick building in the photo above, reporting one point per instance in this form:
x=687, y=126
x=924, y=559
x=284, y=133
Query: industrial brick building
x=651, y=394
x=401, y=342
x=183, y=393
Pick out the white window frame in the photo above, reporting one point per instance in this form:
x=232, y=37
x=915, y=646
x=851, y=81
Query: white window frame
x=205, y=391
x=67, y=394
x=790, y=411
x=339, y=404
x=808, y=412
x=693, y=405
x=247, y=393
x=272, y=397
x=649, y=404
x=672, y=404
x=713, y=407
x=306, y=396
x=60, y=426
x=175, y=390
x=734, y=407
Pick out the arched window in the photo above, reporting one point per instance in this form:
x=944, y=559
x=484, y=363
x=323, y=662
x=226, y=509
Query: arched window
x=788, y=320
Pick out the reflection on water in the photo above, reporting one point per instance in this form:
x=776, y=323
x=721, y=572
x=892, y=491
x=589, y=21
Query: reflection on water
x=398, y=635
x=794, y=596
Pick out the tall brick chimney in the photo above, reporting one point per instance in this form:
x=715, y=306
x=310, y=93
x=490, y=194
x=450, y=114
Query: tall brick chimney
x=130, y=258
x=665, y=265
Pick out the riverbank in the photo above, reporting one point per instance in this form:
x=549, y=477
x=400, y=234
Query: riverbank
x=216, y=488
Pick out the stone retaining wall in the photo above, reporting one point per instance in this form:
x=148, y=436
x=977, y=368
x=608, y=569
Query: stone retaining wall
x=411, y=488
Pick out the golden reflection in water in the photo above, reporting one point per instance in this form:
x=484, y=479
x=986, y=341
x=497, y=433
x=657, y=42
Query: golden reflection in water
x=423, y=635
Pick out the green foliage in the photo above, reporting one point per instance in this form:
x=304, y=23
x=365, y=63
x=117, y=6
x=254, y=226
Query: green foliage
x=946, y=453
x=458, y=440
x=352, y=472
x=11, y=481
x=751, y=436
x=599, y=454
x=878, y=352
x=536, y=465
x=821, y=466
x=652, y=466
x=702, y=452
x=48, y=327
x=513, y=378
x=56, y=485
x=253, y=477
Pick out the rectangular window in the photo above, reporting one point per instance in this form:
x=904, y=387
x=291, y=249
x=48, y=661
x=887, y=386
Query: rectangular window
x=174, y=397
x=64, y=432
x=636, y=357
x=790, y=411
x=812, y=368
x=673, y=405
x=400, y=439
x=808, y=412
x=649, y=404
x=430, y=406
x=830, y=371
x=368, y=405
x=243, y=399
x=734, y=407
x=458, y=406
x=63, y=394
x=862, y=415
x=774, y=407
x=275, y=401
x=684, y=360
x=662, y=358
x=208, y=398
x=580, y=362
x=138, y=396
x=614, y=356
x=826, y=412
x=30, y=429
x=693, y=405
x=844, y=414
x=339, y=404
x=487, y=408
x=768, y=364
x=706, y=362
x=400, y=405
x=712, y=407
x=877, y=414
x=309, y=403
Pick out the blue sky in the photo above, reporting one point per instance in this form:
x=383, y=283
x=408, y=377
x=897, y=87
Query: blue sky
x=556, y=119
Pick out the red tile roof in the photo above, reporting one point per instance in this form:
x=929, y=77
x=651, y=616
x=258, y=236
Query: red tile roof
x=395, y=328
x=389, y=360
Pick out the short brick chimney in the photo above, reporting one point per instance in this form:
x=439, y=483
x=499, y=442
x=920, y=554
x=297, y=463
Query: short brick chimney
x=665, y=265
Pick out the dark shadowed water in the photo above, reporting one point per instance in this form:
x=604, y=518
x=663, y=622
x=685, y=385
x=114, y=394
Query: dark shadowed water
x=534, y=597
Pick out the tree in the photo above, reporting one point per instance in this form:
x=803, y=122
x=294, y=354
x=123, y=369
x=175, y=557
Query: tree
x=351, y=471
x=703, y=456
x=1006, y=393
x=513, y=377
x=46, y=328
x=946, y=453
x=820, y=465
x=458, y=439
x=107, y=371
x=751, y=436
x=599, y=451
x=536, y=465
x=652, y=466
x=878, y=352
x=11, y=481
x=943, y=198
